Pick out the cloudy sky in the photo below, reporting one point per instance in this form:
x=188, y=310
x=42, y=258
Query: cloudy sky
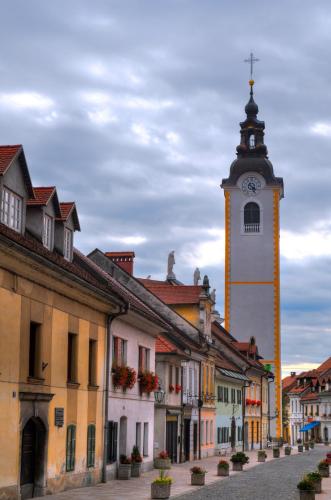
x=131, y=108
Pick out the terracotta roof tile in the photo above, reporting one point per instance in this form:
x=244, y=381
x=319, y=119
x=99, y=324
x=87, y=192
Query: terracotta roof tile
x=65, y=209
x=179, y=294
x=288, y=382
x=7, y=154
x=325, y=366
x=309, y=396
x=246, y=347
x=42, y=195
x=163, y=345
x=299, y=390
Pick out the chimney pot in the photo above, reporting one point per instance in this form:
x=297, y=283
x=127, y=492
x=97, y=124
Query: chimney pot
x=124, y=260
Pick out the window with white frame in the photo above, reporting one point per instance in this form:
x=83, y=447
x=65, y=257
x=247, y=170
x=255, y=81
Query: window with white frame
x=67, y=244
x=11, y=210
x=48, y=232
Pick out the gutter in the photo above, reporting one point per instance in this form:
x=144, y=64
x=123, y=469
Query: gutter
x=110, y=319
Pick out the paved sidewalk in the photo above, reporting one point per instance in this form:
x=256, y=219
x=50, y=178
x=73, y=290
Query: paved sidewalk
x=139, y=488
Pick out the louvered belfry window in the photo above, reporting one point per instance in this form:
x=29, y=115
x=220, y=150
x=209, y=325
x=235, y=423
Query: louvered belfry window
x=252, y=217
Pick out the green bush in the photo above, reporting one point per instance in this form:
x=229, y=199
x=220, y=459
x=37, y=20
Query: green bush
x=306, y=485
x=240, y=458
x=313, y=476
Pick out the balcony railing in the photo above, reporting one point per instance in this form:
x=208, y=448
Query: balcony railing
x=252, y=228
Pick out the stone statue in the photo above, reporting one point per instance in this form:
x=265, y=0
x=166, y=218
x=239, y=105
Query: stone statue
x=171, y=263
x=196, y=276
x=213, y=295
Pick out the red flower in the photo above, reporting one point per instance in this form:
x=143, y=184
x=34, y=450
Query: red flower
x=178, y=388
x=125, y=377
x=148, y=382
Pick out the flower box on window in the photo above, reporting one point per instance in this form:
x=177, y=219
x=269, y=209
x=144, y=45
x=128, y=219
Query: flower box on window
x=148, y=382
x=124, y=376
x=178, y=388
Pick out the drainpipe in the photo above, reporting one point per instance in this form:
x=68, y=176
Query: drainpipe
x=243, y=405
x=182, y=415
x=261, y=413
x=199, y=410
x=110, y=319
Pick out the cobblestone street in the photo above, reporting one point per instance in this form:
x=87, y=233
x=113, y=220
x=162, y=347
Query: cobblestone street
x=276, y=479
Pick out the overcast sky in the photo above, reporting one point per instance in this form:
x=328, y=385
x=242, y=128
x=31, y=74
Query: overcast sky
x=131, y=108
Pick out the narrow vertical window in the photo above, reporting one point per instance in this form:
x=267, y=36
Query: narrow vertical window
x=177, y=381
x=71, y=448
x=34, y=350
x=68, y=239
x=252, y=141
x=170, y=375
x=92, y=362
x=91, y=445
x=143, y=361
x=48, y=232
x=112, y=441
x=138, y=436
x=72, y=358
x=252, y=217
x=145, y=443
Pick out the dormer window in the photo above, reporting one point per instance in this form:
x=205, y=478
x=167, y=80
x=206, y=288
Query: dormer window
x=68, y=244
x=11, y=210
x=48, y=232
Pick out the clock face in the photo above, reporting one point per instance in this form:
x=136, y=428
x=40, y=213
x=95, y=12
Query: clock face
x=251, y=186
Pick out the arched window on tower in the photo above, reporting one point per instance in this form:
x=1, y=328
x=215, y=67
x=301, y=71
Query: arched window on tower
x=252, y=141
x=252, y=217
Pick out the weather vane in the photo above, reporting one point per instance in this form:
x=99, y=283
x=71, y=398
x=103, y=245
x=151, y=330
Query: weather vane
x=252, y=60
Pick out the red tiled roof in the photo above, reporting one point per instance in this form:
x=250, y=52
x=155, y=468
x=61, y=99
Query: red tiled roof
x=309, y=396
x=179, y=294
x=65, y=209
x=42, y=195
x=325, y=366
x=288, y=382
x=163, y=345
x=7, y=155
x=298, y=390
x=246, y=347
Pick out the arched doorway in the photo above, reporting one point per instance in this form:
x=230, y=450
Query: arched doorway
x=33, y=458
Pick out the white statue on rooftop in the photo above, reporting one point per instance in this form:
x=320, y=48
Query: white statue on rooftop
x=196, y=276
x=171, y=263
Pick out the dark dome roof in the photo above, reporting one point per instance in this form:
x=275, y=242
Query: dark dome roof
x=251, y=108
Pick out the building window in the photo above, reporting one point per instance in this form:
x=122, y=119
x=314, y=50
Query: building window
x=90, y=445
x=239, y=397
x=177, y=379
x=252, y=217
x=257, y=432
x=145, y=443
x=202, y=435
x=226, y=395
x=67, y=244
x=34, y=350
x=220, y=394
x=72, y=358
x=112, y=441
x=218, y=435
x=252, y=141
x=207, y=428
x=119, y=351
x=240, y=433
x=233, y=396
x=48, y=232
x=306, y=410
x=224, y=435
x=92, y=362
x=211, y=440
x=170, y=375
x=317, y=410
x=71, y=447
x=143, y=362
x=11, y=210
x=138, y=436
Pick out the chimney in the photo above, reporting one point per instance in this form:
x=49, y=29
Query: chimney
x=123, y=260
x=293, y=374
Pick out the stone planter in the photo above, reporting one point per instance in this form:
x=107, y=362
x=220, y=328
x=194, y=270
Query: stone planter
x=237, y=466
x=307, y=495
x=318, y=486
x=306, y=446
x=221, y=471
x=160, y=490
x=198, y=479
x=261, y=457
x=324, y=471
x=276, y=452
x=288, y=450
x=124, y=471
x=300, y=448
x=312, y=445
x=162, y=463
x=135, y=469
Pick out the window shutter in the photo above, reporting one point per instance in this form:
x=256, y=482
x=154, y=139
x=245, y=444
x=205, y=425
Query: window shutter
x=71, y=446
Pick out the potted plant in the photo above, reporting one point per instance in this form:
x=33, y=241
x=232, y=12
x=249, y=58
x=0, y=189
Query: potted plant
x=148, y=382
x=261, y=456
x=238, y=460
x=316, y=479
x=198, y=476
x=300, y=445
x=124, y=376
x=288, y=450
x=306, y=446
x=124, y=467
x=276, y=452
x=328, y=458
x=306, y=489
x=312, y=444
x=223, y=468
x=323, y=468
x=136, y=461
x=162, y=461
x=161, y=486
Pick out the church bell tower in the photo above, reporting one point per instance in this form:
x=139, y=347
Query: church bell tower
x=252, y=286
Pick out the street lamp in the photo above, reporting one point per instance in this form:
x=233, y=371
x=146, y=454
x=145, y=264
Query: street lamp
x=159, y=395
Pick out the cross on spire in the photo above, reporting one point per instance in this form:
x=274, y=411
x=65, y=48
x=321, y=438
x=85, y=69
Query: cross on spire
x=252, y=60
